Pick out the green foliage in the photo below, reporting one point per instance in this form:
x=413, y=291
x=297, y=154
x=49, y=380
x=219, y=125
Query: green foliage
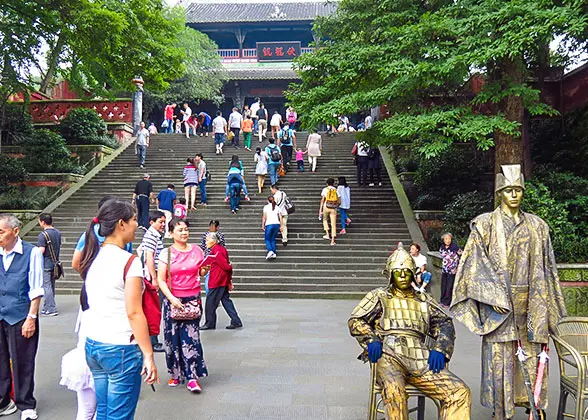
x=22, y=198
x=570, y=244
x=18, y=124
x=11, y=170
x=458, y=169
x=45, y=151
x=203, y=79
x=417, y=57
x=562, y=142
x=85, y=126
x=99, y=44
x=463, y=209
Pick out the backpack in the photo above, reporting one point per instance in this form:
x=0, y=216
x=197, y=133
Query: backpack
x=150, y=301
x=289, y=205
x=291, y=118
x=286, y=137
x=275, y=155
x=371, y=153
x=332, y=200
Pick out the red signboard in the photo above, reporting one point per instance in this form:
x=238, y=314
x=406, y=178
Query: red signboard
x=278, y=51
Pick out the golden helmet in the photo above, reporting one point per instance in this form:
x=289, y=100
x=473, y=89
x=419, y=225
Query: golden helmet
x=511, y=176
x=399, y=259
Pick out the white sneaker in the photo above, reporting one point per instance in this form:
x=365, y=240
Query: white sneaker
x=371, y=184
x=9, y=409
x=30, y=414
x=273, y=256
x=269, y=255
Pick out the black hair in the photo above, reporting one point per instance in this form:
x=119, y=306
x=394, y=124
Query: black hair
x=218, y=113
x=171, y=186
x=111, y=212
x=275, y=187
x=214, y=222
x=258, y=150
x=342, y=181
x=417, y=246
x=199, y=155
x=155, y=214
x=190, y=160
x=46, y=218
x=182, y=201
x=330, y=181
x=105, y=199
x=271, y=140
x=272, y=200
x=175, y=222
x=248, y=116
x=235, y=162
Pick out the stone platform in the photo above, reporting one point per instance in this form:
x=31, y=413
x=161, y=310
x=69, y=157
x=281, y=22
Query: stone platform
x=293, y=360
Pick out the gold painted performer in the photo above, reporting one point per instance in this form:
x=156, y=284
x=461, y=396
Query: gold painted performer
x=507, y=290
x=392, y=324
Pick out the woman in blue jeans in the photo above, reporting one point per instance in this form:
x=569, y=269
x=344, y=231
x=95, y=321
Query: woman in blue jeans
x=271, y=223
x=118, y=348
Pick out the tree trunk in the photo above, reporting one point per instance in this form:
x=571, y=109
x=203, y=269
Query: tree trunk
x=52, y=65
x=510, y=149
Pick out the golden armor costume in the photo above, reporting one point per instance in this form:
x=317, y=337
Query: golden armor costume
x=404, y=322
x=506, y=290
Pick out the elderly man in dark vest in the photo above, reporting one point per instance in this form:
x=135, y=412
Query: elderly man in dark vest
x=21, y=289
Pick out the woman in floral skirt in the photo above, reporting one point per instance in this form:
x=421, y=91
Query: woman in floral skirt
x=181, y=287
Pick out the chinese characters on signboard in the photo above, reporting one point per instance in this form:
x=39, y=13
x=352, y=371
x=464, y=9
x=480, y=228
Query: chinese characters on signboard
x=278, y=51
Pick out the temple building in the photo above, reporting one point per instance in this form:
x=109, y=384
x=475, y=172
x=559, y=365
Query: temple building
x=257, y=41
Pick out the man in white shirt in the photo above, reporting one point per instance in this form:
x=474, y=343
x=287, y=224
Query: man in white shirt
x=280, y=199
x=235, y=121
x=423, y=277
x=254, y=108
x=362, y=163
x=21, y=284
x=219, y=128
x=142, y=144
x=187, y=113
x=368, y=122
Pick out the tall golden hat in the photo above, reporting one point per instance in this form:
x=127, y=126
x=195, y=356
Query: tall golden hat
x=512, y=176
x=398, y=260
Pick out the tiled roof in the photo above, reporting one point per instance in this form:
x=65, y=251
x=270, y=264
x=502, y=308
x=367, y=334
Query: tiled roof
x=279, y=11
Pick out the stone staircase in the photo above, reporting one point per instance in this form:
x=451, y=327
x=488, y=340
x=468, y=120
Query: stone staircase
x=308, y=268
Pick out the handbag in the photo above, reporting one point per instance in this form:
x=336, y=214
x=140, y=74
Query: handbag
x=164, y=124
x=281, y=171
x=191, y=309
x=58, y=271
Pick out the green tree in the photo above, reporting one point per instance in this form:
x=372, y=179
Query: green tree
x=204, y=77
x=100, y=45
x=417, y=57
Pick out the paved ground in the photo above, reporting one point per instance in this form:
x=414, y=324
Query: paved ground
x=293, y=360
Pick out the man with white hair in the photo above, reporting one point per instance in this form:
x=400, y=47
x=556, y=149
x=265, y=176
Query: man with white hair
x=21, y=289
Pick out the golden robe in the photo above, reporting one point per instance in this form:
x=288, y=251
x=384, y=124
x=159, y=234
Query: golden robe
x=508, y=264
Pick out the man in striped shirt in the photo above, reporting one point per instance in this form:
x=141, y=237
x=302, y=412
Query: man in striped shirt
x=148, y=251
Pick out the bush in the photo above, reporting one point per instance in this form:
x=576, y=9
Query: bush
x=562, y=141
x=21, y=198
x=570, y=245
x=459, y=169
x=19, y=124
x=11, y=170
x=463, y=209
x=46, y=151
x=85, y=126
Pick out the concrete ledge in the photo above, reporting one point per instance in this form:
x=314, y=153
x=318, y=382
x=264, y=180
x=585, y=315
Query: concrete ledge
x=413, y=227
x=71, y=191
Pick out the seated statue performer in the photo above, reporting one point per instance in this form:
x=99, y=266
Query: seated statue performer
x=391, y=324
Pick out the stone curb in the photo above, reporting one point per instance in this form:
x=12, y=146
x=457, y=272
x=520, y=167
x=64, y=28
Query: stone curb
x=413, y=227
x=71, y=191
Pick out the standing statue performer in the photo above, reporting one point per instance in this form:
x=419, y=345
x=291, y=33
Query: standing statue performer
x=507, y=290
x=394, y=324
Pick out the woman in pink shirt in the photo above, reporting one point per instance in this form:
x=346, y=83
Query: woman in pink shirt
x=181, y=287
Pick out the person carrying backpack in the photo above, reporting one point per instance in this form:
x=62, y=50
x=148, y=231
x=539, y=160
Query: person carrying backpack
x=287, y=139
x=275, y=160
x=330, y=202
x=374, y=166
